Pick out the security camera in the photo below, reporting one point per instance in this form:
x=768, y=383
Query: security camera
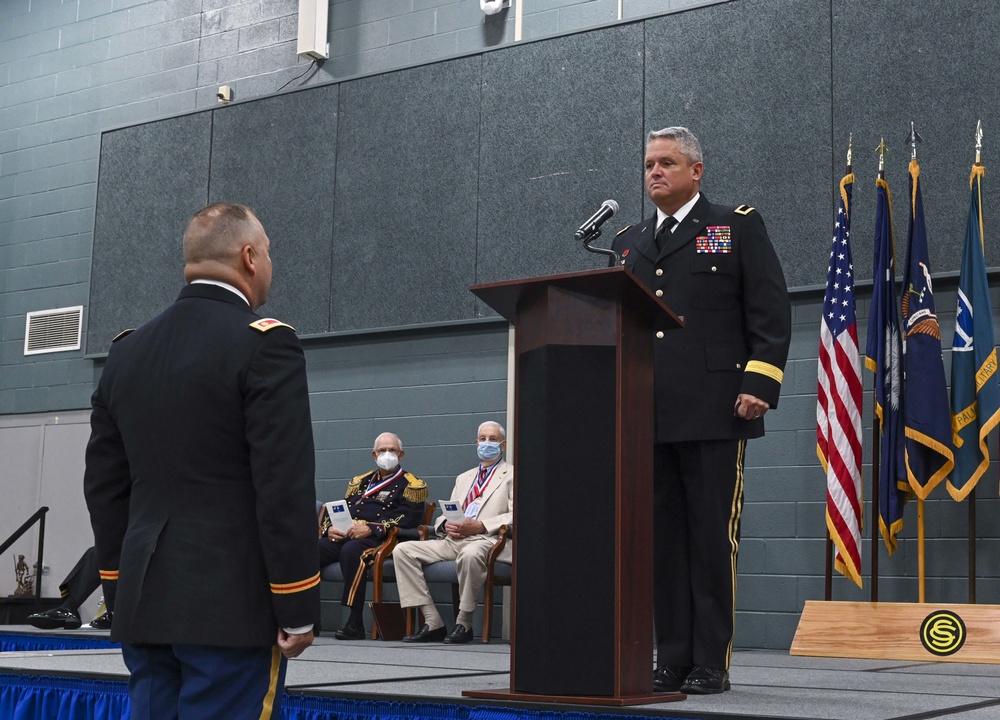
x=225, y=94
x=492, y=7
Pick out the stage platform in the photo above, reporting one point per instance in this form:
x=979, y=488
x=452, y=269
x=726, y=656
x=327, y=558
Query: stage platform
x=766, y=684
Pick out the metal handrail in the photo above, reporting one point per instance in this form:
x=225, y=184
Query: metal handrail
x=38, y=517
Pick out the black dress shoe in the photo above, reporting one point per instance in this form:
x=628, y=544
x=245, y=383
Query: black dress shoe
x=425, y=634
x=103, y=622
x=55, y=619
x=705, y=681
x=351, y=632
x=669, y=678
x=459, y=635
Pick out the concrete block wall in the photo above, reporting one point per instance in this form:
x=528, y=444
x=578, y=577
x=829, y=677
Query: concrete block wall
x=69, y=70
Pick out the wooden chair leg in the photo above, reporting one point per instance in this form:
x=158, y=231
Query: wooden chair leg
x=487, y=609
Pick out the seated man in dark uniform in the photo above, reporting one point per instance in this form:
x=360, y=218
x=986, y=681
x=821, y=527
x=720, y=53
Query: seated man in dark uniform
x=79, y=585
x=377, y=500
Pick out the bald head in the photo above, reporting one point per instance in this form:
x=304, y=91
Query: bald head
x=218, y=232
x=226, y=242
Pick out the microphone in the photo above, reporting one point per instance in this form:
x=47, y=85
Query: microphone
x=607, y=209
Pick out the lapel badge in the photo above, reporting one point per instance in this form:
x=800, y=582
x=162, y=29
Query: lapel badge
x=625, y=254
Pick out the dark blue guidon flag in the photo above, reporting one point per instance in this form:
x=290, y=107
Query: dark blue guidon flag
x=975, y=393
x=926, y=411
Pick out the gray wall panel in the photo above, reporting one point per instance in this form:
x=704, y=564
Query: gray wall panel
x=893, y=64
x=279, y=156
x=153, y=177
x=752, y=81
x=562, y=132
x=407, y=185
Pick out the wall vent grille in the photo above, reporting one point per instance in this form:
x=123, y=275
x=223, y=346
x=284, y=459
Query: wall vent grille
x=48, y=331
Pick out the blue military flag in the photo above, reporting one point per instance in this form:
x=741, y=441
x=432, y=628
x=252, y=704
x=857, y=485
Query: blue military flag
x=926, y=411
x=884, y=357
x=975, y=393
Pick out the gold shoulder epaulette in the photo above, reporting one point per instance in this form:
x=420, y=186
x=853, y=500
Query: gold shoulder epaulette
x=744, y=210
x=354, y=486
x=265, y=324
x=122, y=334
x=416, y=489
x=622, y=230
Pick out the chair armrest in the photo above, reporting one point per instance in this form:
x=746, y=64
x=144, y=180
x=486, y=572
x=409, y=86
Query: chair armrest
x=502, y=537
x=385, y=549
x=425, y=532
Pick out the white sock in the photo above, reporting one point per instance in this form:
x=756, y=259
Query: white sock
x=464, y=618
x=432, y=618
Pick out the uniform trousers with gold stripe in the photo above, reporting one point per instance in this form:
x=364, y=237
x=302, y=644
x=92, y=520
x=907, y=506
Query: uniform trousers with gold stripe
x=178, y=681
x=348, y=554
x=697, y=502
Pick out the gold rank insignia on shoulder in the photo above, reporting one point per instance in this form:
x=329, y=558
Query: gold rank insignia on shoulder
x=265, y=324
x=122, y=334
x=416, y=489
x=622, y=230
x=744, y=210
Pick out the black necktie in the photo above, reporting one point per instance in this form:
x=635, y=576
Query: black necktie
x=663, y=232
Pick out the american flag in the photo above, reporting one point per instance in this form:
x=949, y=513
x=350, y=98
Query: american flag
x=838, y=410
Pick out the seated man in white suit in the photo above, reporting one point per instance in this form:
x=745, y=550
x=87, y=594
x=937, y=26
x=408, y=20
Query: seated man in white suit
x=487, y=496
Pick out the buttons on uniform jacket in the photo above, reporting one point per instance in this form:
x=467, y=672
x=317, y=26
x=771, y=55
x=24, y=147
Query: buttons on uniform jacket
x=659, y=272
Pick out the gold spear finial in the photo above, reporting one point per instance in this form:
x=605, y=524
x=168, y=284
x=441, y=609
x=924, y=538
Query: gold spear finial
x=979, y=142
x=881, y=150
x=850, y=144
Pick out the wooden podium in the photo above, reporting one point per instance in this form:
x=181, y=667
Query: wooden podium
x=582, y=608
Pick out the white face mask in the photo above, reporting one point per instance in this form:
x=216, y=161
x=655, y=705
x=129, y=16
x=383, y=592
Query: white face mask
x=387, y=460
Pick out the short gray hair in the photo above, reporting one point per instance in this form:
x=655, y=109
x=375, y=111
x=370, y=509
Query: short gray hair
x=492, y=422
x=686, y=141
x=398, y=441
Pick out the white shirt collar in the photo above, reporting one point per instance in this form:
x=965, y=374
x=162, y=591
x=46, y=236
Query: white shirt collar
x=681, y=213
x=219, y=283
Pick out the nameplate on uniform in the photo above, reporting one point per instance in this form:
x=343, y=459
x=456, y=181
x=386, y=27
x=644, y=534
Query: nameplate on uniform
x=718, y=240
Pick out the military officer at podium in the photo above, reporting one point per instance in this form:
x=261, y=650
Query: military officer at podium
x=377, y=500
x=714, y=380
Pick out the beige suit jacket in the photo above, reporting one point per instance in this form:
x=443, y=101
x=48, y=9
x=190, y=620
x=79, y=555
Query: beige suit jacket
x=496, y=504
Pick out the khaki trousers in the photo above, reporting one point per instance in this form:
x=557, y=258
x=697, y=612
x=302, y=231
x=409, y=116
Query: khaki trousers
x=469, y=554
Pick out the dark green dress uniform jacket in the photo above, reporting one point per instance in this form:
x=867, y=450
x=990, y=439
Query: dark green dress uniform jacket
x=718, y=270
x=200, y=477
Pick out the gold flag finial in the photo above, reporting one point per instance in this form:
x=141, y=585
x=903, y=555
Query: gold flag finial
x=850, y=144
x=881, y=150
x=979, y=142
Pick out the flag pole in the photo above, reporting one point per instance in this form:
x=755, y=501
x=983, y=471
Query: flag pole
x=912, y=139
x=972, y=495
x=876, y=437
